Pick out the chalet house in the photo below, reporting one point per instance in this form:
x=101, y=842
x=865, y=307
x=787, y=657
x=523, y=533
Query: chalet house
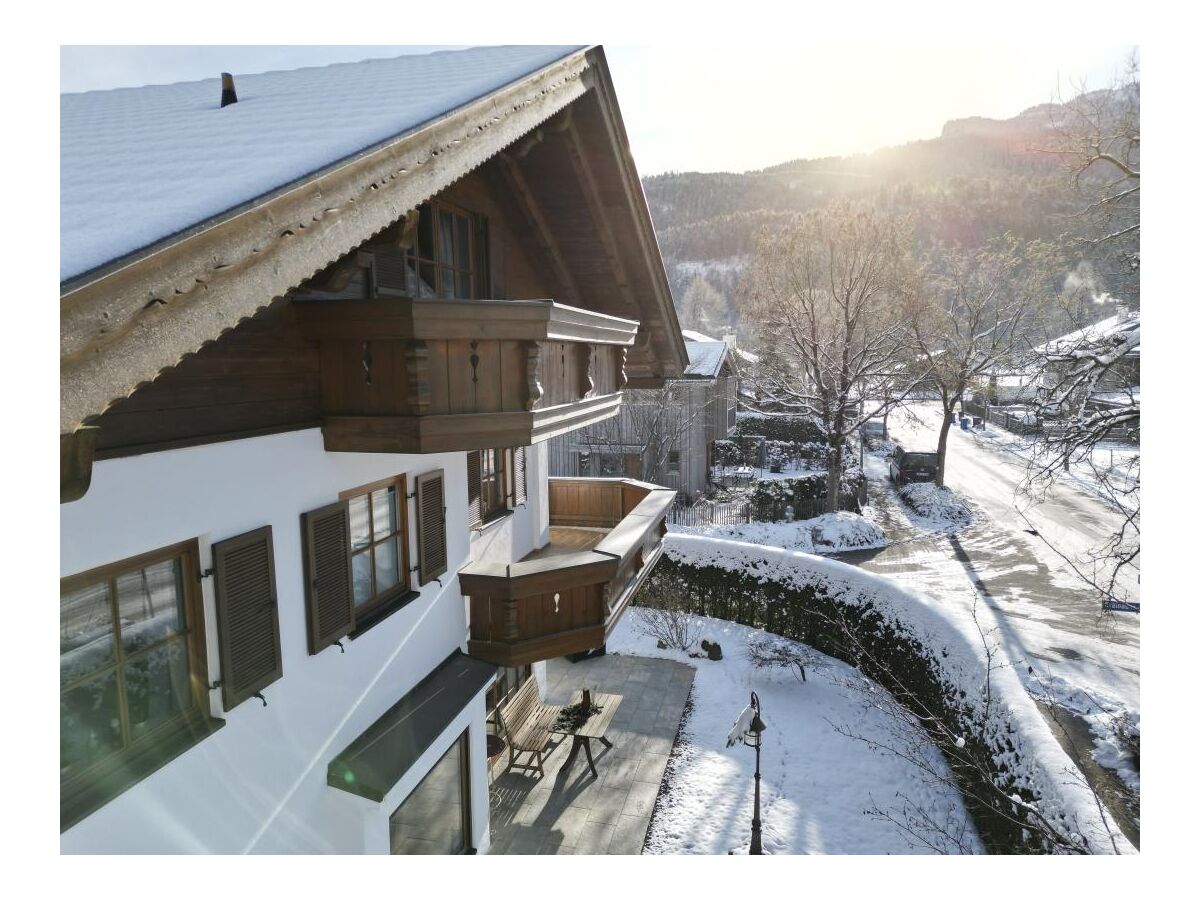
x=664, y=436
x=314, y=343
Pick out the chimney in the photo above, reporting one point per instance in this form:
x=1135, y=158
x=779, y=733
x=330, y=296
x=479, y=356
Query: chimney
x=228, y=94
x=730, y=341
x=1122, y=313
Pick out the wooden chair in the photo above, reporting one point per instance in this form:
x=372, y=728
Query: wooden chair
x=525, y=722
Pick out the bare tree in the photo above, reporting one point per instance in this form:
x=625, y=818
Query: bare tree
x=969, y=312
x=1097, y=135
x=823, y=298
x=1089, y=385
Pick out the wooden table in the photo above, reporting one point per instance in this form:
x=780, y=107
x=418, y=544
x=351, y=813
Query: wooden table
x=593, y=729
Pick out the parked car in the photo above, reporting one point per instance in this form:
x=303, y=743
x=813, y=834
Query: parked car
x=907, y=466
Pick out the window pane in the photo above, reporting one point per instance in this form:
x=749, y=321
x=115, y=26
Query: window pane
x=426, y=287
x=383, y=507
x=387, y=565
x=462, y=285
x=447, y=286
x=446, y=245
x=362, y=577
x=432, y=819
x=85, y=631
x=360, y=523
x=150, y=604
x=425, y=233
x=156, y=687
x=89, y=722
x=462, y=243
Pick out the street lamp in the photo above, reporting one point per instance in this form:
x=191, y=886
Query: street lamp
x=748, y=730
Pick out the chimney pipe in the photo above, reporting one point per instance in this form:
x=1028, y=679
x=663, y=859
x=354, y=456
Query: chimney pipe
x=228, y=94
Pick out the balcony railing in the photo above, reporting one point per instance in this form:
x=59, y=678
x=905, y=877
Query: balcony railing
x=605, y=537
x=400, y=375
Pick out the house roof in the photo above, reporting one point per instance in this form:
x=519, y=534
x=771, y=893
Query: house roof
x=311, y=194
x=138, y=165
x=705, y=358
x=1113, y=332
x=695, y=336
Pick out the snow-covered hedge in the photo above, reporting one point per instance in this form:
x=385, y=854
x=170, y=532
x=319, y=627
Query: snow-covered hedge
x=933, y=658
x=940, y=505
x=778, y=426
x=828, y=533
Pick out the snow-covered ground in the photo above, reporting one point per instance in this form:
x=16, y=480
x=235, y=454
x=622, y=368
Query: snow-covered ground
x=829, y=533
x=972, y=647
x=1117, y=463
x=940, y=507
x=1011, y=557
x=820, y=777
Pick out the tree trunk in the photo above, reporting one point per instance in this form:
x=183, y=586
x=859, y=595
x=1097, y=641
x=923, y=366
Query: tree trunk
x=943, y=436
x=833, y=481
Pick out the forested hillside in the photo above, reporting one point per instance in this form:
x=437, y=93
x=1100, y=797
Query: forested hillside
x=979, y=179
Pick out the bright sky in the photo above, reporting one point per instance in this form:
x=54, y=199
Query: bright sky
x=719, y=108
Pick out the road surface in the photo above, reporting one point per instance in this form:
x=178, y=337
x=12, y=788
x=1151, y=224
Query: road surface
x=1051, y=624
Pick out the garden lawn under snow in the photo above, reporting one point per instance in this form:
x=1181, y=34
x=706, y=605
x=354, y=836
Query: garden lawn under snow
x=939, y=506
x=828, y=533
x=817, y=784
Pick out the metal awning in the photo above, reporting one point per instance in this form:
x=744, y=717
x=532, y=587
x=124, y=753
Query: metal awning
x=379, y=757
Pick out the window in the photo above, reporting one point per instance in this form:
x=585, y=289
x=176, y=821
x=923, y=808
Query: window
x=435, y=817
x=133, y=678
x=378, y=543
x=673, y=462
x=446, y=259
x=491, y=483
x=508, y=682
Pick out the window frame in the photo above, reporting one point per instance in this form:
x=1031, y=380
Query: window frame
x=499, y=477
x=83, y=792
x=441, y=259
x=381, y=604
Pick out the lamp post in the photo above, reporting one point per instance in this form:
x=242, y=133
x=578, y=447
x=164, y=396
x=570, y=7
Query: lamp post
x=748, y=729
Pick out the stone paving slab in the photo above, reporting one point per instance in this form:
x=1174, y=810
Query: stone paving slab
x=574, y=812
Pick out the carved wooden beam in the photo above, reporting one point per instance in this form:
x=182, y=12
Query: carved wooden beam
x=515, y=183
x=583, y=360
x=76, y=452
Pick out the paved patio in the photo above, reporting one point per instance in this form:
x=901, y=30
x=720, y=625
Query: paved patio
x=572, y=811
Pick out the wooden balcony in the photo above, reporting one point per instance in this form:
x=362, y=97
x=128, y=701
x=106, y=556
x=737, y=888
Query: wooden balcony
x=605, y=537
x=400, y=375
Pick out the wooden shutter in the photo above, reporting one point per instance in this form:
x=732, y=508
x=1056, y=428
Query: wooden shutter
x=328, y=589
x=431, y=525
x=247, y=614
x=474, y=504
x=520, y=489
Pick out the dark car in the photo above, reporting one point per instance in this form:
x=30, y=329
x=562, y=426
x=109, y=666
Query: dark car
x=907, y=466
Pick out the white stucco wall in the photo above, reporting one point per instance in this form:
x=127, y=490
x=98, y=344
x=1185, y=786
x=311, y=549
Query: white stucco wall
x=258, y=784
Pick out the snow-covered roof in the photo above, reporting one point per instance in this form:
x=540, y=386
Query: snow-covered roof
x=1110, y=331
x=695, y=336
x=141, y=164
x=705, y=358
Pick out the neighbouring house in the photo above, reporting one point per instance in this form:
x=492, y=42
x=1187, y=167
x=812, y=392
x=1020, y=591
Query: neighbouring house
x=1109, y=351
x=1117, y=338
x=662, y=435
x=313, y=346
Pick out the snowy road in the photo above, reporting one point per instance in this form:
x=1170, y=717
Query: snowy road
x=1050, y=619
